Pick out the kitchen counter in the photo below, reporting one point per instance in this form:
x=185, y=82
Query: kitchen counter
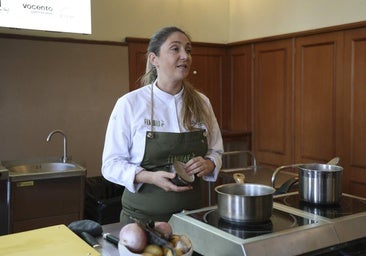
x=109, y=249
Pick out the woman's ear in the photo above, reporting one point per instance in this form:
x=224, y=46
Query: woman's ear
x=153, y=59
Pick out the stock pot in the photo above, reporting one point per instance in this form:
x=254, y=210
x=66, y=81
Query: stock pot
x=318, y=183
x=244, y=203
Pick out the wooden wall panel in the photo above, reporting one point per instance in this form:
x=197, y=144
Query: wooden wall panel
x=355, y=111
x=207, y=75
x=318, y=99
x=272, y=102
x=239, y=93
x=137, y=62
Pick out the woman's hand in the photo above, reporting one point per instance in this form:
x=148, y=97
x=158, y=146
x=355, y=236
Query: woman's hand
x=161, y=179
x=200, y=166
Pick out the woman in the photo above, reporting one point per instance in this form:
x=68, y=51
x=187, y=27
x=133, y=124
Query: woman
x=151, y=127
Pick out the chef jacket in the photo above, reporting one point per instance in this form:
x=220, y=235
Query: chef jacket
x=127, y=127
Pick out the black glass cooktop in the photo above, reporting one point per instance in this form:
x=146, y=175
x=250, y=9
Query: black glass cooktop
x=279, y=221
x=348, y=205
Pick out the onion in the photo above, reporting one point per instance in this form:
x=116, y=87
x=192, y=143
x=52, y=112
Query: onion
x=133, y=237
x=164, y=228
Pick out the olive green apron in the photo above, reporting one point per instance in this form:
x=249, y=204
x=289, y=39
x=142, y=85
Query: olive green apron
x=161, y=149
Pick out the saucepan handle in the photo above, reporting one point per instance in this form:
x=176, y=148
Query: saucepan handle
x=279, y=169
x=239, y=177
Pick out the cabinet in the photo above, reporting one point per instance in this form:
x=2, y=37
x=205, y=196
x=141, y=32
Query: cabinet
x=40, y=203
x=298, y=99
x=207, y=74
x=319, y=100
x=237, y=95
x=354, y=112
x=273, y=102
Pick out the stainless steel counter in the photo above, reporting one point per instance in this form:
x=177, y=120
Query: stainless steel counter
x=109, y=249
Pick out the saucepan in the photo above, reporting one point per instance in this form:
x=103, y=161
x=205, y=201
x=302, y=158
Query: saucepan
x=244, y=202
x=318, y=183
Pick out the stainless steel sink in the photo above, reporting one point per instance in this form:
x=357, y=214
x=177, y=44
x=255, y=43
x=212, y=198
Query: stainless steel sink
x=42, y=167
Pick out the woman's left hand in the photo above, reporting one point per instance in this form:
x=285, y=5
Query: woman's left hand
x=200, y=166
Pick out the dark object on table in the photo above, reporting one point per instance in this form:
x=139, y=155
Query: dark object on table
x=87, y=230
x=102, y=200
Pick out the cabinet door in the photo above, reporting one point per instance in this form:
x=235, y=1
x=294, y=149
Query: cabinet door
x=272, y=102
x=41, y=203
x=354, y=161
x=136, y=62
x=237, y=96
x=207, y=74
x=318, y=97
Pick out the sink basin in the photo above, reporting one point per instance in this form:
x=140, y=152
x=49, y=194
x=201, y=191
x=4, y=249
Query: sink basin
x=42, y=167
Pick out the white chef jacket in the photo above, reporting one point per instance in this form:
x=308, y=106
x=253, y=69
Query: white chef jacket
x=130, y=119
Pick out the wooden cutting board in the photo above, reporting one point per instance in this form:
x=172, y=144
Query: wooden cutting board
x=50, y=241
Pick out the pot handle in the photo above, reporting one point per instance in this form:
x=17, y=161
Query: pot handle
x=239, y=178
x=279, y=169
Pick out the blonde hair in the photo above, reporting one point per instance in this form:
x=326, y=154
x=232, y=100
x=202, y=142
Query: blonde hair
x=194, y=110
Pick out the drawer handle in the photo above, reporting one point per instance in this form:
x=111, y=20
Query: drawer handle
x=25, y=184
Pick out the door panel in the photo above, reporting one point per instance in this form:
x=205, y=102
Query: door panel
x=318, y=99
x=355, y=112
x=239, y=92
x=272, y=103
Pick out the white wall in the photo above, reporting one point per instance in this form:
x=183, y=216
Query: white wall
x=217, y=21
x=250, y=19
x=113, y=20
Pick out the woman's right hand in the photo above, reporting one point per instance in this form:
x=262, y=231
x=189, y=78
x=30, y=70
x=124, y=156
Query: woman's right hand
x=160, y=179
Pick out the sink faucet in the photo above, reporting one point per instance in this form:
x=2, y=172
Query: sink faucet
x=64, y=158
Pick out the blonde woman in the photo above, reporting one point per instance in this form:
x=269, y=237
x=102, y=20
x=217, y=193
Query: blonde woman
x=163, y=121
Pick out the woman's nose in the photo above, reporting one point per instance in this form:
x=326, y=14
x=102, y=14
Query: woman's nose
x=184, y=54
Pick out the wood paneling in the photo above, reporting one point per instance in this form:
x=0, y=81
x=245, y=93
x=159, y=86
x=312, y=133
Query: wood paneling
x=136, y=62
x=272, y=106
x=237, y=96
x=207, y=74
x=355, y=112
x=318, y=97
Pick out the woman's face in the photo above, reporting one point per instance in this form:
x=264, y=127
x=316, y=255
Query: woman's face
x=174, y=60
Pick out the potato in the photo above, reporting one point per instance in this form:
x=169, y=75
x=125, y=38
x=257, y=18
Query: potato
x=183, y=244
x=174, y=239
x=177, y=252
x=154, y=250
x=147, y=254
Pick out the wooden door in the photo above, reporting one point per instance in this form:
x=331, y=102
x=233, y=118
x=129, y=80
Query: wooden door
x=272, y=102
x=354, y=155
x=318, y=97
x=137, y=49
x=207, y=74
x=237, y=95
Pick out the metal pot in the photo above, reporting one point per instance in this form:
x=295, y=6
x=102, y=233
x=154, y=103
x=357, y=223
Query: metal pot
x=238, y=202
x=318, y=183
